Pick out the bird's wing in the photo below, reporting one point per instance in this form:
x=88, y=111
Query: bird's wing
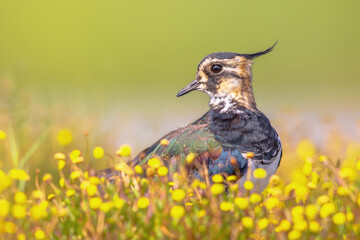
x=110, y=172
x=206, y=151
x=202, y=120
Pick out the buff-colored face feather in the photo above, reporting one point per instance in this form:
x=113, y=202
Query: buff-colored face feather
x=226, y=75
x=233, y=80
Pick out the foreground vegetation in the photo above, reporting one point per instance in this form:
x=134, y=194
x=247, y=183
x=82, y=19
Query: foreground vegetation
x=321, y=203
x=49, y=190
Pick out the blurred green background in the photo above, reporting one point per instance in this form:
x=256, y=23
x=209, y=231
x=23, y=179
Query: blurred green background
x=142, y=52
x=114, y=67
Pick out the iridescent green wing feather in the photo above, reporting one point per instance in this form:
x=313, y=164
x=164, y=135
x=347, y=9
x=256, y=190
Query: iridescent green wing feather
x=208, y=153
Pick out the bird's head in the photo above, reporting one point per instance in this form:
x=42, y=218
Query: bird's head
x=226, y=77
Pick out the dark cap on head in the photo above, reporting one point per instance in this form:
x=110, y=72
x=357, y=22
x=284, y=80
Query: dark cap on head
x=230, y=55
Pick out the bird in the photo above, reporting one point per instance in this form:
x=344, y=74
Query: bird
x=233, y=138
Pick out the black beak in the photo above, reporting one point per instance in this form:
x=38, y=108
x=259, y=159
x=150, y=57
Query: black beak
x=192, y=86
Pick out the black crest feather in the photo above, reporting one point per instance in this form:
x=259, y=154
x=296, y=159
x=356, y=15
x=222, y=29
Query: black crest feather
x=258, y=54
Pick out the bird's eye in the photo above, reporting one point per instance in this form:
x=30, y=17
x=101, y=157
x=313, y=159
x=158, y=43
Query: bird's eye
x=216, y=68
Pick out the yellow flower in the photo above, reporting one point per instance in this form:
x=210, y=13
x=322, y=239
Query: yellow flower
x=203, y=186
x=271, y=203
x=18, y=211
x=10, y=227
x=305, y=149
x=138, y=169
x=51, y=196
x=38, y=212
x=241, y=202
x=150, y=172
x=64, y=137
x=20, y=197
x=217, y=178
x=322, y=199
x=4, y=208
x=144, y=182
x=77, y=160
x=124, y=151
x=231, y=178
x=284, y=226
x=294, y=234
x=307, y=168
x=2, y=135
x=59, y=156
x=249, y=155
x=118, y=202
x=20, y=236
x=339, y=218
x=248, y=185
x=106, y=206
x=47, y=177
x=39, y=234
x=75, y=174
x=349, y=216
x=301, y=192
x=201, y=213
x=255, y=198
x=300, y=225
x=314, y=226
x=37, y=194
x=297, y=211
x=226, y=206
x=323, y=158
x=274, y=180
x=154, y=163
x=95, y=202
x=94, y=180
x=19, y=174
x=257, y=209
x=62, y=182
x=75, y=154
x=348, y=174
x=190, y=158
x=259, y=173
x=143, y=203
x=263, y=223
x=247, y=222
x=178, y=195
x=177, y=212
x=234, y=187
x=123, y=167
x=98, y=152
x=70, y=192
x=91, y=190
x=274, y=191
x=311, y=211
x=164, y=142
x=62, y=212
x=5, y=181
x=311, y=185
x=342, y=191
x=162, y=171
x=61, y=164
x=217, y=189
x=327, y=209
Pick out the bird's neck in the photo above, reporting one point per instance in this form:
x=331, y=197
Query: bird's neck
x=234, y=94
x=233, y=102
